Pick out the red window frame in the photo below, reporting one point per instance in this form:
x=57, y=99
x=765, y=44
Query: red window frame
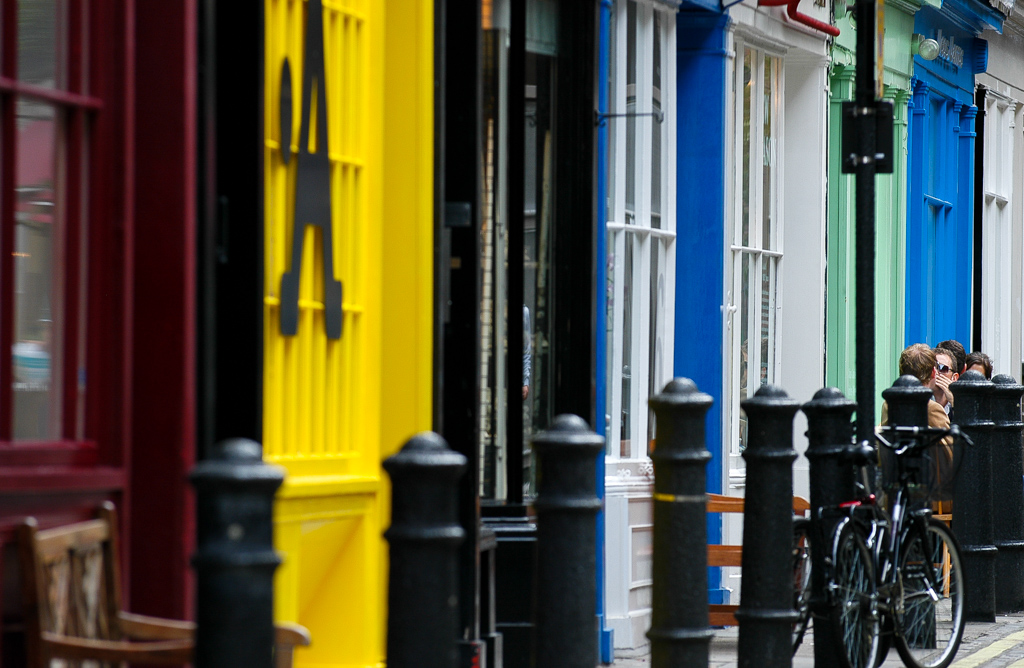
x=95, y=116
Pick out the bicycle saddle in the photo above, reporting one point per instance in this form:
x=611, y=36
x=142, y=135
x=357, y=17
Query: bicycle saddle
x=860, y=454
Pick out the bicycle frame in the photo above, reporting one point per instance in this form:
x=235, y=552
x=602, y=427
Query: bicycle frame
x=886, y=532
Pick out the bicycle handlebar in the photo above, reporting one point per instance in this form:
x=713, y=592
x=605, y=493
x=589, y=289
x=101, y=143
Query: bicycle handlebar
x=909, y=439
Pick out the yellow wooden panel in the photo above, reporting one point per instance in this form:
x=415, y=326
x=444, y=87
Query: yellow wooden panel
x=321, y=397
x=323, y=417
x=330, y=579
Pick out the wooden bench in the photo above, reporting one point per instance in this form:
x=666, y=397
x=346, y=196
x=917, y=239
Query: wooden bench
x=732, y=555
x=71, y=586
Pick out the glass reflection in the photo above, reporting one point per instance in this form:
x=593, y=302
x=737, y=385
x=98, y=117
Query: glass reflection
x=42, y=42
x=38, y=274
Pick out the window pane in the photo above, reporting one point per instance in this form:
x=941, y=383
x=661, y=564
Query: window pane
x=766, y=320
x=744, y=289
x=748, y=74
x=627, y=349
x=767, y=193
x=38, y=274
x=613, y=92
x=538, y=242
x=656, y=128
x=610, y=370
x=654, y=363
x=83, y=294
x=631, y=109
x=42, y=43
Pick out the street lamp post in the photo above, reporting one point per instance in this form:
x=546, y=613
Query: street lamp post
x=867, y=151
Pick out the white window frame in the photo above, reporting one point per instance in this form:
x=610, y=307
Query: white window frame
x=997, y=230
x=640, y=232
x=735, y=251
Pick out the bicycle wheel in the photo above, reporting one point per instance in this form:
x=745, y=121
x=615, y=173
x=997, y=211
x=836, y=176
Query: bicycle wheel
x=930, y=617
x=801, y=579
x=854, y=610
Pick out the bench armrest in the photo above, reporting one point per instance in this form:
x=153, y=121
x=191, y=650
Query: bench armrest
x=290, y=634
x=143, y=627
x=79, y=649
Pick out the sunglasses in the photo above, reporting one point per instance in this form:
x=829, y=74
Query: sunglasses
x=943, y=368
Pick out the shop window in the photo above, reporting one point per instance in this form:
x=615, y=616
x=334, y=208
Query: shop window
x=532, y=149
x=641, y=223
x=45, y=125
x=754, y=235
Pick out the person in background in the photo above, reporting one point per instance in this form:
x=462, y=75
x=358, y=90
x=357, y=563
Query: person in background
x=945, y=367
x=980, y=362
x=920, y=361
x=958, y=352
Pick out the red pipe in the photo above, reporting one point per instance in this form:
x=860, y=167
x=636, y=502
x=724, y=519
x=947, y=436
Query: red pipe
x=800, y=18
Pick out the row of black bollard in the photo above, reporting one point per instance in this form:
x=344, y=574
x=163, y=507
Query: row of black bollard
x=679, y=633
x=1008, y=478
x=766, y=613
x=972, y=498
x=829, y=434
x=235, y=560
x=424, y=536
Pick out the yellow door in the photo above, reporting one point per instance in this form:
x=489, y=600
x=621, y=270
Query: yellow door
x=336, y=406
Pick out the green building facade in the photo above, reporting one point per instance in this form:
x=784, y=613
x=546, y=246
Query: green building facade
x=890, y=209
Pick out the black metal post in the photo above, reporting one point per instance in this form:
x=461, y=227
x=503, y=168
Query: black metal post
x=907, y=402
x=424, y=538
x=566, y=505
x=766, y=614
x=680, y=633
x=864, y=115
x=829, y=433
x=235, y=558
x=1008, y=478
x=972, y=496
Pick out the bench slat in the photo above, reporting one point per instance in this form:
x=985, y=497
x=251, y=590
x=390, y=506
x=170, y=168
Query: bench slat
x=722, y=615
x=725, y=555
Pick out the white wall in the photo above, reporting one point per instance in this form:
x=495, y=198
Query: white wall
x=803, y=267
x=1006, y=76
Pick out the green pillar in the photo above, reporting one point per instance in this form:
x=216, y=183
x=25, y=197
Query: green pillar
x=890, y=213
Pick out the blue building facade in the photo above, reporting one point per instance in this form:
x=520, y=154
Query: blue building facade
x=940, y=189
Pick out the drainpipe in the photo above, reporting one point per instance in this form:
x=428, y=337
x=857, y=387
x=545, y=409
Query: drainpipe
x=792, y=12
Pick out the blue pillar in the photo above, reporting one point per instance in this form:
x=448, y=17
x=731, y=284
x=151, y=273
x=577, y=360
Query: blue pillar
x=701, y=61
x=964, y=226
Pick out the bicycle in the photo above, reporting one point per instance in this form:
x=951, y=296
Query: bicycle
x=801, y=579
x=896, y=577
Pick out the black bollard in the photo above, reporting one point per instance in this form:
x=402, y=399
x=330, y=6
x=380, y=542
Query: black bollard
x=829, y=433
x=566, y=505
x=424, y=537
x=972, y=496
x=906, y=404
x=680, y=633
x=235, y=558
x=766, y=614
x=1008, y=478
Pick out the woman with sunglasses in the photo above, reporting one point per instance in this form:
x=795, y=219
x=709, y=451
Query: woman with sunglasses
x=943, y=377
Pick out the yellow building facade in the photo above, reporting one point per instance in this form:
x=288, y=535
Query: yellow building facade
x=336, y=406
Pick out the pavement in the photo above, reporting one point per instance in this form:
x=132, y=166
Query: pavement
x=996, y=645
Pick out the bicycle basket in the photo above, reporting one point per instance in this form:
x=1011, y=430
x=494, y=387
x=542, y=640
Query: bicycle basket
x=931, y=471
